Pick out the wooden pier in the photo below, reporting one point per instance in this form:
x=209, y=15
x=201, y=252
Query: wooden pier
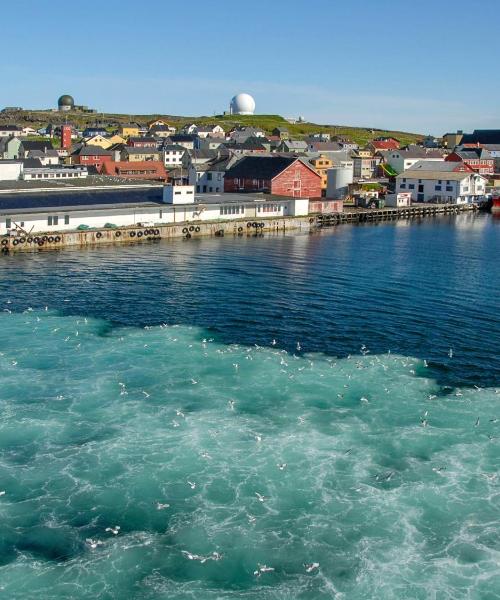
x=364, y=215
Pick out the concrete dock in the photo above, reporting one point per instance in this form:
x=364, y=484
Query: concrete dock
x=233, y=227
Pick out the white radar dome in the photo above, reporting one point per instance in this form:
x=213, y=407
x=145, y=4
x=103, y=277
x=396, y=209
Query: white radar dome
x=242, y=104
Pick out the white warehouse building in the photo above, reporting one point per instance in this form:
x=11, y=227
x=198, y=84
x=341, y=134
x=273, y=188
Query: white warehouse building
x=66, y=211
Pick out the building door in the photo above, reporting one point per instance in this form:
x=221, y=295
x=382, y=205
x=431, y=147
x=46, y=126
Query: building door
x=420, y=197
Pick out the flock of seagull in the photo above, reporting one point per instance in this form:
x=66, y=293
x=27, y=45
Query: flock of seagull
x=216, y=556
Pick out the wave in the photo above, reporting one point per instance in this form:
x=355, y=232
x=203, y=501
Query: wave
x=364, y=464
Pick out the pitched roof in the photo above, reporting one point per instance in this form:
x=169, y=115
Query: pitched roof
x=206, y=128
x=156, y=128
x=441, y=167
x=42, y=154
x=214, y=140
x=93, y=151
x=42, y=145
x=32, y=163
x=119, y=167
x=260, y=167
x=297, y=144
x=437, y=170
x=326, y=146
x=473, y=154
x=174, y=147
x=385, y=144
x=138, y=150
x=435, y=175
x=143, y=139
x=420, y=152
x=222, y=163
x=483, y=136
x=247, y=145
x=204, y=153
x=181, y=137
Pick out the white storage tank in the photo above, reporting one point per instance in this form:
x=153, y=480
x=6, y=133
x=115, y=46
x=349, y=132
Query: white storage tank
x=338, y=180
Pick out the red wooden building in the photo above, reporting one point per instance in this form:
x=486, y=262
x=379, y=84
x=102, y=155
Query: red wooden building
x=283, y=176
x=91, y=156
x=478, y=159
x=142, y=142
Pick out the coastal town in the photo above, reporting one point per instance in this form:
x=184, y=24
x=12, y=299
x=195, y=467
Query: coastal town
x=59, y=177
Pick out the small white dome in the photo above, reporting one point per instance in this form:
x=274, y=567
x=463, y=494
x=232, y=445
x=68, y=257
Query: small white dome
x=243, y=104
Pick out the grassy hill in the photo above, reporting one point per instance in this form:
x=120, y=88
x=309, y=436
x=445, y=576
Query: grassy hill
x=359, y=135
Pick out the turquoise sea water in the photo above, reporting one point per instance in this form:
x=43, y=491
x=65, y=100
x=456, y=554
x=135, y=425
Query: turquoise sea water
x=220, y=438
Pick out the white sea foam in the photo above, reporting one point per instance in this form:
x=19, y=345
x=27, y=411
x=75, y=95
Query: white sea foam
x=379, y=501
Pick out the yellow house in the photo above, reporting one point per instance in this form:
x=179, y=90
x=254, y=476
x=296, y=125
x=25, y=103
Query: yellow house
x=128, y=130
x=322, y=164
x=99, y=140
x=117, y=139
x=364, y=153
x=132, y=154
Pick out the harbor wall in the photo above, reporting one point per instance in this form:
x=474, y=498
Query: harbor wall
x=234, y=227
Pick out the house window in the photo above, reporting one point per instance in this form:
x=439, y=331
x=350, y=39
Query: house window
x=209, y=176
x=438, y=188
x=404, y=179
x=449, y=188
x=402, y=186
x=8, y=223
x=411, y=186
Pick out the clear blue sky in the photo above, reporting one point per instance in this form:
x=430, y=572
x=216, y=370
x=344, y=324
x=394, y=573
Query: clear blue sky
x=423, y=65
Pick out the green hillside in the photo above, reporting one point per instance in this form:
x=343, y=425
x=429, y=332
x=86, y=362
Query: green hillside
x=359, y=135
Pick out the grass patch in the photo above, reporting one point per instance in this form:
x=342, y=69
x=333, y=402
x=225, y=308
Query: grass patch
x=360, y=135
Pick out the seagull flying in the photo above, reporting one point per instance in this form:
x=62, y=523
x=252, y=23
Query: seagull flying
x=114, y=530
x=262, y=569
